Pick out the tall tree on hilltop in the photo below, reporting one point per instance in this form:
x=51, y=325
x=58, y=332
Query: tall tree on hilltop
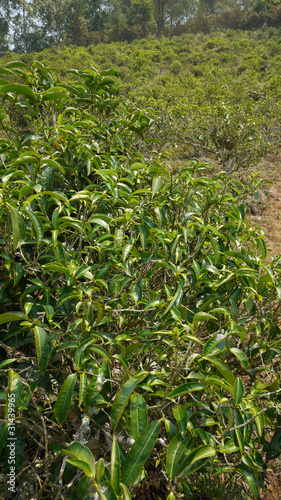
x=160, y=14
x=18, y=16
x=76, y=23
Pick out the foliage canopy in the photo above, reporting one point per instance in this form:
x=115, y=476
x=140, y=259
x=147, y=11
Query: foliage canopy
x=139, y=320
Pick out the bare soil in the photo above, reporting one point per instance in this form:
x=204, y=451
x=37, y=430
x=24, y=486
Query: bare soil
x=269, y=217
x=270, y=221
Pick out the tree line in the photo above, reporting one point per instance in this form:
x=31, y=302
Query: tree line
x=32, y=25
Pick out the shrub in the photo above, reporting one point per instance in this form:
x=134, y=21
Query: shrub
x=176, y=67
x=139, y=322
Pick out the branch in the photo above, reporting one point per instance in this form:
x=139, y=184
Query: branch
x=247, y=421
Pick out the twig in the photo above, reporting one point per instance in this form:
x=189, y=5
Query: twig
x=247, y=421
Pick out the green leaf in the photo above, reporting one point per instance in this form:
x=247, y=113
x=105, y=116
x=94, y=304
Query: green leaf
x=109, y=72
x=18, y=272
x=16, y=64
x=241, y=356
x=215, y=247
x=188, y=466
x=156, y=184
x=259, y=420
x=18, y=88
x=222, y=368
x=125, y=492
x=180, y=415
x=152, y=303
x=240, y=439
x=176, y=449
x=186, y=389
x=64, y=398
x=100, y=469
x=82, y=387
x=138, y=414
x=7, y=362
x=101, y=352
x=68, y=297
x=121, y=400
x=81, y=453
x=100, y=222
x=228, y=447
x=13, y=390
x=79, y=352
x=81, y=489
x=160, y=216
x=139, y=453
x=49, y=162
x=18, y=227
x=12, y=316
x=204, y=452
x=202, y=316
x=176, y=299
x=115, y=465
x=238, y=391
x=36, y=224
x=125, y=251
x=251, y=480
x=84, y=466
x=42, y=348
x=53, y=96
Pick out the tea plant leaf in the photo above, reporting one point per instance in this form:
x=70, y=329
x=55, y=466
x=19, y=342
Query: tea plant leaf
x=18, y=88
x=228, y=447
x=156, y=184
x=203, y=316
x=176, y=450
x=13, y=391
x=80, y=464
x=42, y=348
x=222, y=368
x=180, y=415
x=63, y=401
x=139, y=453
x=241, y=356
x=115, y=465
x=138, y=415
x=204, y=452
x=37, y=225
x=80, y=453
x=100, y=470
x=82, y=387
x=81, y=489
x=238, y=391
x=12, y=316
x=18, y=227
x=250, y=479
x=125, y=492
x=184, y=389
x=122, y=399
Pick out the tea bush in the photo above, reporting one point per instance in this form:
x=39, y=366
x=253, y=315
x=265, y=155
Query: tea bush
x=139, y=321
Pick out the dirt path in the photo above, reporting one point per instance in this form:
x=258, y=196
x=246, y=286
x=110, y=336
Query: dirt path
x=270, y=218
x=270, y=221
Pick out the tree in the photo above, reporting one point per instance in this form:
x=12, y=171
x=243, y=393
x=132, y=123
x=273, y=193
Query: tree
x=76, y=24
x=19, y=17
x=4, y=30
x=140, y=15
x=178, y=12
x=160, y=7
